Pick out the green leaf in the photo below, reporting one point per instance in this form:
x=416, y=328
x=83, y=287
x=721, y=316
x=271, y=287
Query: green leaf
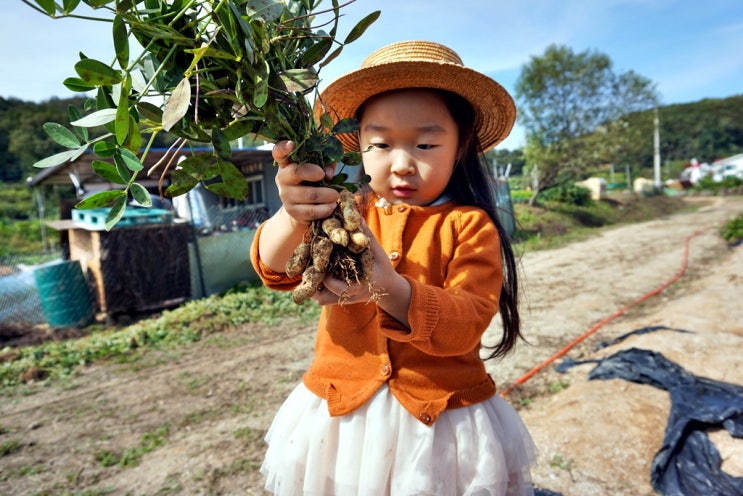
x=229, y=29
x=121, y=41
x=97, y=118
x=107, y=171
x=134, y=137
x=333, y=149
x=77, y=85
x=60, y=158
x=347, y=125
x=177, y=105
x=238, y=129
x=260, y=94
x=122, y=114
x=267, y=10
x=326, y=120
x=361, y=26
x=105, y=149
x=116, y=213
x=124, y=5
x=97, y=73
x=191, y=131
x=233, y=183
x=351, y=158
x=339, y=178
x=299, y=80
x=247, y=32
x=103, y=99
x=98, y=3
x=221, y=144
x=209, y=51
x=150, y=112
x=316, y=52
x=69, y=5
x=48, y=6
x=332, y=56
x=129, y=160
x=101, y=199
x=140, y=194
x=73, y=114
x=61, y=135
x=198, y=165
x=181, y=182
x=151, y=29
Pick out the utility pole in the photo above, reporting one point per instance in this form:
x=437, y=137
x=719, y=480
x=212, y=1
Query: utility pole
x=656, y=150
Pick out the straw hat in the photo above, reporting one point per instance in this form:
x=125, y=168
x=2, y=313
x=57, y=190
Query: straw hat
x=421, y=64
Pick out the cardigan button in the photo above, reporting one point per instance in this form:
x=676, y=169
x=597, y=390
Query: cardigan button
x=386, y=370
x=394, y=255
x=425, y=418
x=400, y=209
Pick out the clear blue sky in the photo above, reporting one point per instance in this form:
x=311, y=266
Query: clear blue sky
x=691, y=49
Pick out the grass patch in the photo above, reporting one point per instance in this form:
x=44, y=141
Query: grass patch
x=186, y=324
x=24, y=471
x=732, y=230
x=131, y=457
x=561, y=463
x=554, y=224
x=9, y=447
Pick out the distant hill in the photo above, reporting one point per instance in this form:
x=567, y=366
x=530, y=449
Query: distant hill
x=706, y=130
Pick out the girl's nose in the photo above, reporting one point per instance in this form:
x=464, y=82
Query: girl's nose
x=402, y=163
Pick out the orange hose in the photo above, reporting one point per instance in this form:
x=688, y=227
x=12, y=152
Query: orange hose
x=597, y=326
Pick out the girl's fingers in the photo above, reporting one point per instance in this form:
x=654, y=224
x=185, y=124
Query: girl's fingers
x=281, y=152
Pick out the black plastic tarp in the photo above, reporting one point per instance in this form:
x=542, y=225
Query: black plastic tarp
x=687, y=463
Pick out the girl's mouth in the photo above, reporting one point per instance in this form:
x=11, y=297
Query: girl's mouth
x=403, y=192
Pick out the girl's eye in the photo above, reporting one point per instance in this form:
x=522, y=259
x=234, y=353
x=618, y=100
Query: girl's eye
x=379, y=146
x=425, y=147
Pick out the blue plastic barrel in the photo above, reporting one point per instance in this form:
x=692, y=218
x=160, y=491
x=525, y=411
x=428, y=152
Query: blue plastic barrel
x=64, y=294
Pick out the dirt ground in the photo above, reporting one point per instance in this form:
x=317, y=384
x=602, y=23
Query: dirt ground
x=190, y=421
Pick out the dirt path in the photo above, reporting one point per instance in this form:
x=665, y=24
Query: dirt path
x=191, y=421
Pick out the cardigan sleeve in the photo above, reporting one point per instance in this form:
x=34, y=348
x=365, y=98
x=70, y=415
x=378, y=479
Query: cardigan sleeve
x=271, y=279
x=449, y=319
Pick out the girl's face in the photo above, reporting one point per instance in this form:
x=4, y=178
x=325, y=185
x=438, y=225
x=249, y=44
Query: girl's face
x=414, y=145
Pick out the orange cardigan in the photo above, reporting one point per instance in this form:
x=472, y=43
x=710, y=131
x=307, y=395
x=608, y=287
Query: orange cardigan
x=450, y=254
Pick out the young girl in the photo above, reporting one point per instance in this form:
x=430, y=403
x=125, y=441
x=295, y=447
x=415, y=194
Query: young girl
x=397, y=400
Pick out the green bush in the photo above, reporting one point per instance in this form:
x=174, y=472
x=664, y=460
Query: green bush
x=16, y=202
x=567, y=193
x=732, y=230
x=708, y=184
x=521, y=195
x=19, y=236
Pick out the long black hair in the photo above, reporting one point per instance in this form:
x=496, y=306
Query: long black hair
x=470, y=184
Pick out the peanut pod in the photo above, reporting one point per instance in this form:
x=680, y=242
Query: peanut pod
x=311, y=280
x=321, y=250
x=298, y=260
x=351, y=216
x=359, y=242
x=339, y=236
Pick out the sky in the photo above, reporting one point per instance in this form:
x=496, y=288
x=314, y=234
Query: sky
x=690, y=49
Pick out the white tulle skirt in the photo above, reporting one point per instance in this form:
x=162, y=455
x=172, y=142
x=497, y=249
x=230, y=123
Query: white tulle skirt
x=381, y=449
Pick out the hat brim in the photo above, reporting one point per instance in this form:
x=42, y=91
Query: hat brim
x=495, y=111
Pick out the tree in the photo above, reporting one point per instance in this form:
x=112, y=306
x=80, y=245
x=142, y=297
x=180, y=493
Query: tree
x=565, y=98
x=500, y=160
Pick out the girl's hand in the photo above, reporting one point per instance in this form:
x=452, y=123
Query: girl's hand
x=303, y=201
x=388, y=288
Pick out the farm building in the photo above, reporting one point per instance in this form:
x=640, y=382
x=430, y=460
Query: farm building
x=138, y=266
